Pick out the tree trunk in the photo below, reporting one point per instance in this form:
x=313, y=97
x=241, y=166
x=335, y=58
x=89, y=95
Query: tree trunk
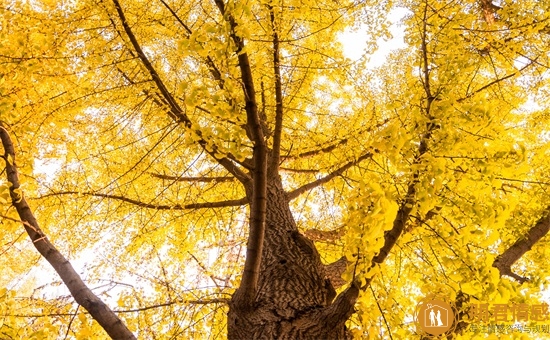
x=293, y=299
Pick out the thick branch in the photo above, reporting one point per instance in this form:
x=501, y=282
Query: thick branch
x=276, y=153
x=160, y=104
x=496, y=81
x=504, y=261
x=325, y=235
x=342, y=307
x=425, y=64
x=188, y=302
x=247, y=289
x=175, y=15
x=326, y=149
x=302, y=171
x=391, y=236
x=110, y=322
x=334, y=315
x=334, y=271
x=219, y=204
x=176, y=111
x=297, y=192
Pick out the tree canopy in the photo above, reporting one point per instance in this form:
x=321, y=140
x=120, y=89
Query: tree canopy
x=212, y=169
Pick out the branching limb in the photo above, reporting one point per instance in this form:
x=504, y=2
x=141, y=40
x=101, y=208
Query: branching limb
x=175, y=110
x=71, y=321
x=133, y=310
x=494, y=82
x=209, y=62
x=297, y=192
x=489, y=10
x=391, y=236
x=523, y=181
x=334, y=271
x=504, y=261
x=104, y=315
x=342, y=307
x=419, y=221
x=300, y=171
x=326, y=149
x=247, y=290
x=204, y=205
x=425, y=62
x=334, y=315
x=325, y=235
x=216, y=74
x=186, y=302
x=276, y=152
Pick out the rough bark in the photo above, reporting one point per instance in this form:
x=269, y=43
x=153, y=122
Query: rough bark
x=110, y=322
x=326, y=236
x=334, y=271
x=504, y=261
x=294, y=297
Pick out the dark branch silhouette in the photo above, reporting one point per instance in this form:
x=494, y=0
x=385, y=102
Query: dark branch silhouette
x=247, y=290
x=194, y=179
x=303, y=171
x=325, y=235
x=132, y=310
x=504, y=261
x=407, y=204
x=333, y=146
x=326, y=149
x=496, y=81
x=278, y=131
x=175, y=111
x=204, y=205
x=306, y=187
x=99, y=311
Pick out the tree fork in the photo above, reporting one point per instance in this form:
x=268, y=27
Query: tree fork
x=294, y=299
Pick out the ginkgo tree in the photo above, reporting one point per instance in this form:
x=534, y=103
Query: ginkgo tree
x=212, y=169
